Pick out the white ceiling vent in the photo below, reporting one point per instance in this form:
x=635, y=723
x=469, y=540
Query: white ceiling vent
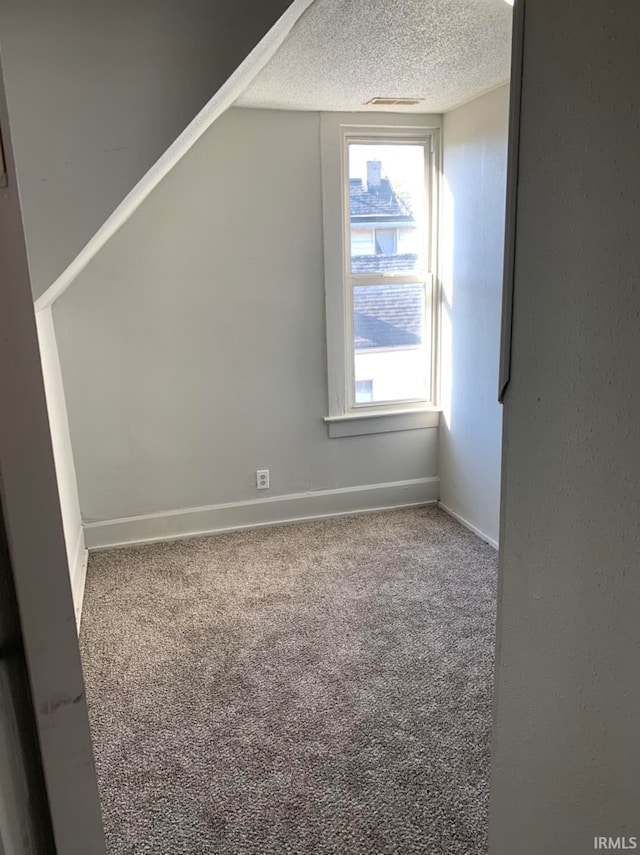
x=393, y=102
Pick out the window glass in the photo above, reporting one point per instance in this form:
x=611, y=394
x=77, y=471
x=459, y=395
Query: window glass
x=387, y=197
x=386, y=241
x=362, y=242
x=364, y=391
x=390, y=342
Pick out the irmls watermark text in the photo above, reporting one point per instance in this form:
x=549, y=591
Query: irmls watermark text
x=610, y=843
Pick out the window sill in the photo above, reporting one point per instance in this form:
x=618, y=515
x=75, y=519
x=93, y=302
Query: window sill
x=383, y=421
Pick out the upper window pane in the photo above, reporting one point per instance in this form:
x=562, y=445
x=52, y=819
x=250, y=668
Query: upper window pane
x=387, y=203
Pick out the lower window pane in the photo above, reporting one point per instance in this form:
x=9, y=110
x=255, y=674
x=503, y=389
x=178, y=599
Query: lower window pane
x=391, y=353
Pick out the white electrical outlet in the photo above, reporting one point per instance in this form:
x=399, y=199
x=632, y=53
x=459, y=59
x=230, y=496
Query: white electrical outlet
x=262, y=479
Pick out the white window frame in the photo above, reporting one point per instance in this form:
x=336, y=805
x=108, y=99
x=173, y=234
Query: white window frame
x=345, y=417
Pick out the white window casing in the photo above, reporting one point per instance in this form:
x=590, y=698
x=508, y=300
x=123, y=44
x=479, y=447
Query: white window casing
x=346, y=417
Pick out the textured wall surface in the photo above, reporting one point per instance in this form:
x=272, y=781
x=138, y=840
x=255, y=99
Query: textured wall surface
x=475, y=148
x=98, y=91
x=202, y=337
x=567, y=736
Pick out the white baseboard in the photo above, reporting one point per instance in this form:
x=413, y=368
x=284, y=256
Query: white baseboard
x=78, y=573
x=468, y=525
x=256, y=513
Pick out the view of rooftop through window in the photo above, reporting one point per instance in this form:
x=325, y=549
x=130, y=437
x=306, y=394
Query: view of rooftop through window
x=388, y=236
x=387, y=207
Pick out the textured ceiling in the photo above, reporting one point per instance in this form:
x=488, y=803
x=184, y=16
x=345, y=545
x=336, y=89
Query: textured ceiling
x=342, y=53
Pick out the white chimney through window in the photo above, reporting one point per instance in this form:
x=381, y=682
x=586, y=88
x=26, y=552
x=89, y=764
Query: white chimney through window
x=374, y=174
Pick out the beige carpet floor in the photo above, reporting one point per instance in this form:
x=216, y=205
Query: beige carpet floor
x=321, y=688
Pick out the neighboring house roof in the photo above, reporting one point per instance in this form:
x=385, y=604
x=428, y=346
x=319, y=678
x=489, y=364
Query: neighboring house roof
x=388, y=315
x=384, y=315
x=402, y=263
x=369, y=205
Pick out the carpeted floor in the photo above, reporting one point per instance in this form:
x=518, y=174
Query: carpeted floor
x=322, y=688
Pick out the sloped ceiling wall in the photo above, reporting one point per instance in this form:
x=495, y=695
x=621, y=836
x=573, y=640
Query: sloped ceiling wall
x=97, y=91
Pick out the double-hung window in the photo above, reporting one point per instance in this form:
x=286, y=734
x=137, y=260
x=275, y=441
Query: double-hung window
x=380, y=225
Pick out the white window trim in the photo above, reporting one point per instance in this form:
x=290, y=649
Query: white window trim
x=344, y=419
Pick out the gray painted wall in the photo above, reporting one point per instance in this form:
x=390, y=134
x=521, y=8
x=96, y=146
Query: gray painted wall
x=31, y=519
x=475, y=147
x=97, y=91
x=566, y=749
x=193, y=346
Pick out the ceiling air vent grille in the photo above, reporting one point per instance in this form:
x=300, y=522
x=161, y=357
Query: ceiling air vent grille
x=393, y=102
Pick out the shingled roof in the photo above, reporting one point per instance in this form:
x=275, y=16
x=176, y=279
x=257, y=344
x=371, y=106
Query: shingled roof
x=404, y=262
x=388, y=315
x=384, y=315
x=379, y=204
